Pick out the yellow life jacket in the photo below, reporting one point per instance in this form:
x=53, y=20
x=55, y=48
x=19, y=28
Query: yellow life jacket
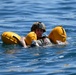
x=30, y=37
x=10, y=38
x=58, y=33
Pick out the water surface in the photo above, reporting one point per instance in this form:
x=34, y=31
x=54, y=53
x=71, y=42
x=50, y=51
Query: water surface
x=18, y=16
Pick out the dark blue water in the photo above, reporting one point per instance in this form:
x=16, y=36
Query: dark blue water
x=18, y=16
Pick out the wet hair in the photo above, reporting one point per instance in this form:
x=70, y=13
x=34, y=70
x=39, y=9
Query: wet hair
x=37, y=25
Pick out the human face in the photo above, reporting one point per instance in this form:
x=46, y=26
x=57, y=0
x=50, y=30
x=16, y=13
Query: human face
x=39, y=33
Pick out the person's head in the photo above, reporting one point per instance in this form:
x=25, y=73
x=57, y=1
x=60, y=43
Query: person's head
x=58, y=34
x=39, y=28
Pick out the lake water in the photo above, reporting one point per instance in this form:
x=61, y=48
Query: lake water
x=18, y=16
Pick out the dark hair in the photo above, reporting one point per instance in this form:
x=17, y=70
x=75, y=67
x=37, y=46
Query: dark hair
x=38, y=25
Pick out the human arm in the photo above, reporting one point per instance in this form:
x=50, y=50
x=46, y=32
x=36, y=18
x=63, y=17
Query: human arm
x=34, y=44
x=22, y=42
x=61, y=43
